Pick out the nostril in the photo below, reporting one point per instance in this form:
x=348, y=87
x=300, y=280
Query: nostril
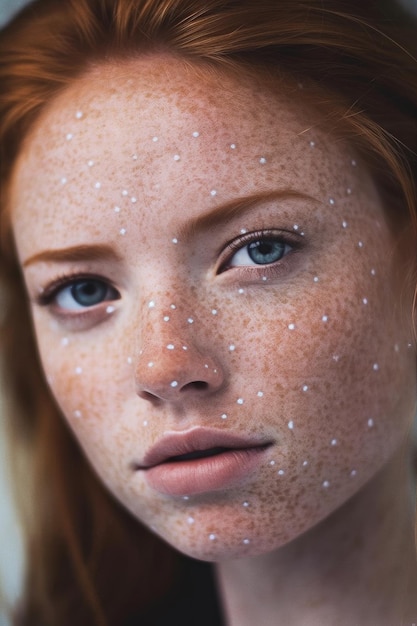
x=200, y=385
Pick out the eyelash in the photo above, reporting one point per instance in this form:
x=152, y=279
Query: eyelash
x=63, y=281
x=285, y=237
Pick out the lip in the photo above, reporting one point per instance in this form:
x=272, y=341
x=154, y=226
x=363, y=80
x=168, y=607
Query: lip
x=234, y=458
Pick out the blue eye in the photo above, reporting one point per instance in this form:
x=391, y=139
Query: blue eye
x=84, y=293
x=262, y=251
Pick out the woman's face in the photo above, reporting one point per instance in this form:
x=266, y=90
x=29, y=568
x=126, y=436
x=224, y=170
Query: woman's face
x=209, y=270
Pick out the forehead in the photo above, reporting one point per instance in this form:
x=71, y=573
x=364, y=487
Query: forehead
x=158, y=125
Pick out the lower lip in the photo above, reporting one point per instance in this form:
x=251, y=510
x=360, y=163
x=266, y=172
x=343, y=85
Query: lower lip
x=222, y=471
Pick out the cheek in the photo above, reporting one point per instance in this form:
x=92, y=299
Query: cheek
x=91, y=383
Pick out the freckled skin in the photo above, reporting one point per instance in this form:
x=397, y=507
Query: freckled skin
x=123, y=108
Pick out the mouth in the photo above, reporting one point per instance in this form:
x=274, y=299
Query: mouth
x=201, y=460
x=197, y=454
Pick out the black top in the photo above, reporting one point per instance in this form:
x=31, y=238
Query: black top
x=193, y=600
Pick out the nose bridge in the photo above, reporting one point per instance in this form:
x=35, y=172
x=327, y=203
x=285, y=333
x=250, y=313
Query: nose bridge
x=175, y=354
x=165, y=323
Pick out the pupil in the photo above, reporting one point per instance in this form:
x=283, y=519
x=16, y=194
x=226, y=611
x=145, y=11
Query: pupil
x=88, y=292
x=266, y=251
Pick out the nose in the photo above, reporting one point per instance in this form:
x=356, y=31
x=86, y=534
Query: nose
x=173, y=365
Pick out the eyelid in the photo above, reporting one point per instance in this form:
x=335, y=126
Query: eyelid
x=288, y=237
x=47, y=295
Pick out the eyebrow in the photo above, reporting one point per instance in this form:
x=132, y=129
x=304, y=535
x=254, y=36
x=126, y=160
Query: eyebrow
x=226, y=212
x=221, y=214
x=73, y=254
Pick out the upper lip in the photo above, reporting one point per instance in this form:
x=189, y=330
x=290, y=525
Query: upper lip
x=197, y=439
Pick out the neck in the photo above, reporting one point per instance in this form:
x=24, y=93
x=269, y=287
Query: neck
x=356, y=567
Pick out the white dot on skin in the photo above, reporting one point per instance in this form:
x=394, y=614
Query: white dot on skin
x=375, y=367
x=184, y=348
x=281, y=472
x=135, y=157
x=122, y=231
x=326, y=484
x=246, y=504
x=334, y=442
x=240, y=400
x=260, y=394
x=64, y=341
x=79, y=115
x=166, y=318
x=353, y=473
x=174, y=240
x=63, y=180
x=213, y=192
x=133, y=199
x=190, y=520
x=305, y=387
x=125, y=192
x=177, y=157
x=335, y=357
x=344, y=224
x=190, y=320
x=150, y=364
x=173, y=307
x=331, y=201
x=295, y=227
x=78, y=370
x=117, y=209
x=97, y=185
x=212, y=536
x=154, y=139
x=291, y=425
x=224, y=416
x=170, y=346
x=316, y=279
x=214, y=311
x=90, y=163
x=77, y=414
x=360, y=244
x=110, y=309
x=291, y=326
x=232, y=347
x=353, y=163
x=312, y=144
x=348, y=191
x=151, y=304
x=246, y=541
x=174, y=383
x=196, y=134
x=69, y=136
x=145, y=422
x=370, y=422
x=129, y=360
x=262, y=160
x=241, y=290
x=243, y=231
x=185, y=497
x=271, y=462
x=324, y=318
x=233, y=146
x=373, y=272
x=305, y=463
